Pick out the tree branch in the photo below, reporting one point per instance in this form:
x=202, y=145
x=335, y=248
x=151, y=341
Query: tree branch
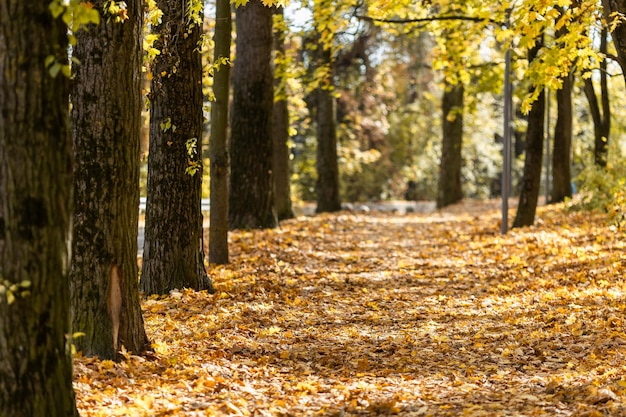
x=430, y=19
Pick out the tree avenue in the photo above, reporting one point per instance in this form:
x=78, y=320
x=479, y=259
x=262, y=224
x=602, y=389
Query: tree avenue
x=106, y=115
x=35, y=209
x=400, y=94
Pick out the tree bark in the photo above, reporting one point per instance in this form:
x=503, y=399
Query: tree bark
x=106, y=123
x=218, y=149
x=601, y=115
x=35, y=207
x=450, y=190
x=561, y=155
x=173, y=255
x=619, y=34
x=531, y=177
x=251, y=200
x=327, y=186
x=280, y=127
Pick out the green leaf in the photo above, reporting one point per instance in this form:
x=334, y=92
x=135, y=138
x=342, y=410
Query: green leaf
x=56, y=8
x=66, y=70
x=54, y=69
x=166, y=125
x=49, y=60
x=67, y=17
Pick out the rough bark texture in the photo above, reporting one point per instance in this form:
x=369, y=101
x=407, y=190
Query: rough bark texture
x=218, y=146
x=531, y=177
x=327, y=186
x=450, y=190
x=280, y=127
x=619, y=35
x=251, y=200
x=601, y=115
x=106, y=123
x=35, y=206
x=173, y=254
x=561, y=155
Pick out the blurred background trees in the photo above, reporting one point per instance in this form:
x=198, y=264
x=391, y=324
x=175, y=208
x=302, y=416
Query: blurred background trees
x=391, y=67
x=387, y=70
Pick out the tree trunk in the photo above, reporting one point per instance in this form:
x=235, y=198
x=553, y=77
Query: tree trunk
x=173, y=255
x=561, y=173
x=450, y=190
x=218, y=149
x=531, y=177
x=327, y=186
x=251, y=200
x=35, y=207
x=280, y=128
x=601, y=116
x=619, y=34
x=106, y=123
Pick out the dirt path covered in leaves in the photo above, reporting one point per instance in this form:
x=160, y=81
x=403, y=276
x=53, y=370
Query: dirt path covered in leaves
x=380, y=314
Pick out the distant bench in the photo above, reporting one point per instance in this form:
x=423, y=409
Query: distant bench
x=205, y=207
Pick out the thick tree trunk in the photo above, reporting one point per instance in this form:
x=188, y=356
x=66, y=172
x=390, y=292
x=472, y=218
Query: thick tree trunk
x=280, y=128
x=35, y=207
x=531, y=178
x=218, y=146
x=173, y=255
x=251, y=200
x=327, y=186
x=106, y=123
x=561, y=172
x=450, y=190
x=601, y=115
x=619, y=34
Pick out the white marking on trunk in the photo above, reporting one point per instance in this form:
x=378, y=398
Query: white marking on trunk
x=114, y=303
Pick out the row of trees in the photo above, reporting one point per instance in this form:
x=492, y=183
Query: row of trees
x=459, y=29
x=80, y=167
x=337, y=53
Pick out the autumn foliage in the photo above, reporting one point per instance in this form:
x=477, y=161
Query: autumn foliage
x=381, y=314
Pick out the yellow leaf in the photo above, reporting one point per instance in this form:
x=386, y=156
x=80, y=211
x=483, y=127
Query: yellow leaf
x=363, y=365
x=161, y=347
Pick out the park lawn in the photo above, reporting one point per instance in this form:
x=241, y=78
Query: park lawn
x=372, y=314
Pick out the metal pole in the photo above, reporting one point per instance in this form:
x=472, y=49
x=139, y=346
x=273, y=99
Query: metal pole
x=506, y=148
x=547, y=146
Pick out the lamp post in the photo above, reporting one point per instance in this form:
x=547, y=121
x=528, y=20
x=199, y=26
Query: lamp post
x=506, y=148
x=548, y=157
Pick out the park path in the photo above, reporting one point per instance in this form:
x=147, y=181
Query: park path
x=308, y=209
x=379, y=314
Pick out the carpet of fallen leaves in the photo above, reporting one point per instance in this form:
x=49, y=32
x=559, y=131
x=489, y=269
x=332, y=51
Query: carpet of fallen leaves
x=384, y=314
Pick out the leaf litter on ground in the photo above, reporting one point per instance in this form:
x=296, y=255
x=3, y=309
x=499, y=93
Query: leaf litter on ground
x=372, y=314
